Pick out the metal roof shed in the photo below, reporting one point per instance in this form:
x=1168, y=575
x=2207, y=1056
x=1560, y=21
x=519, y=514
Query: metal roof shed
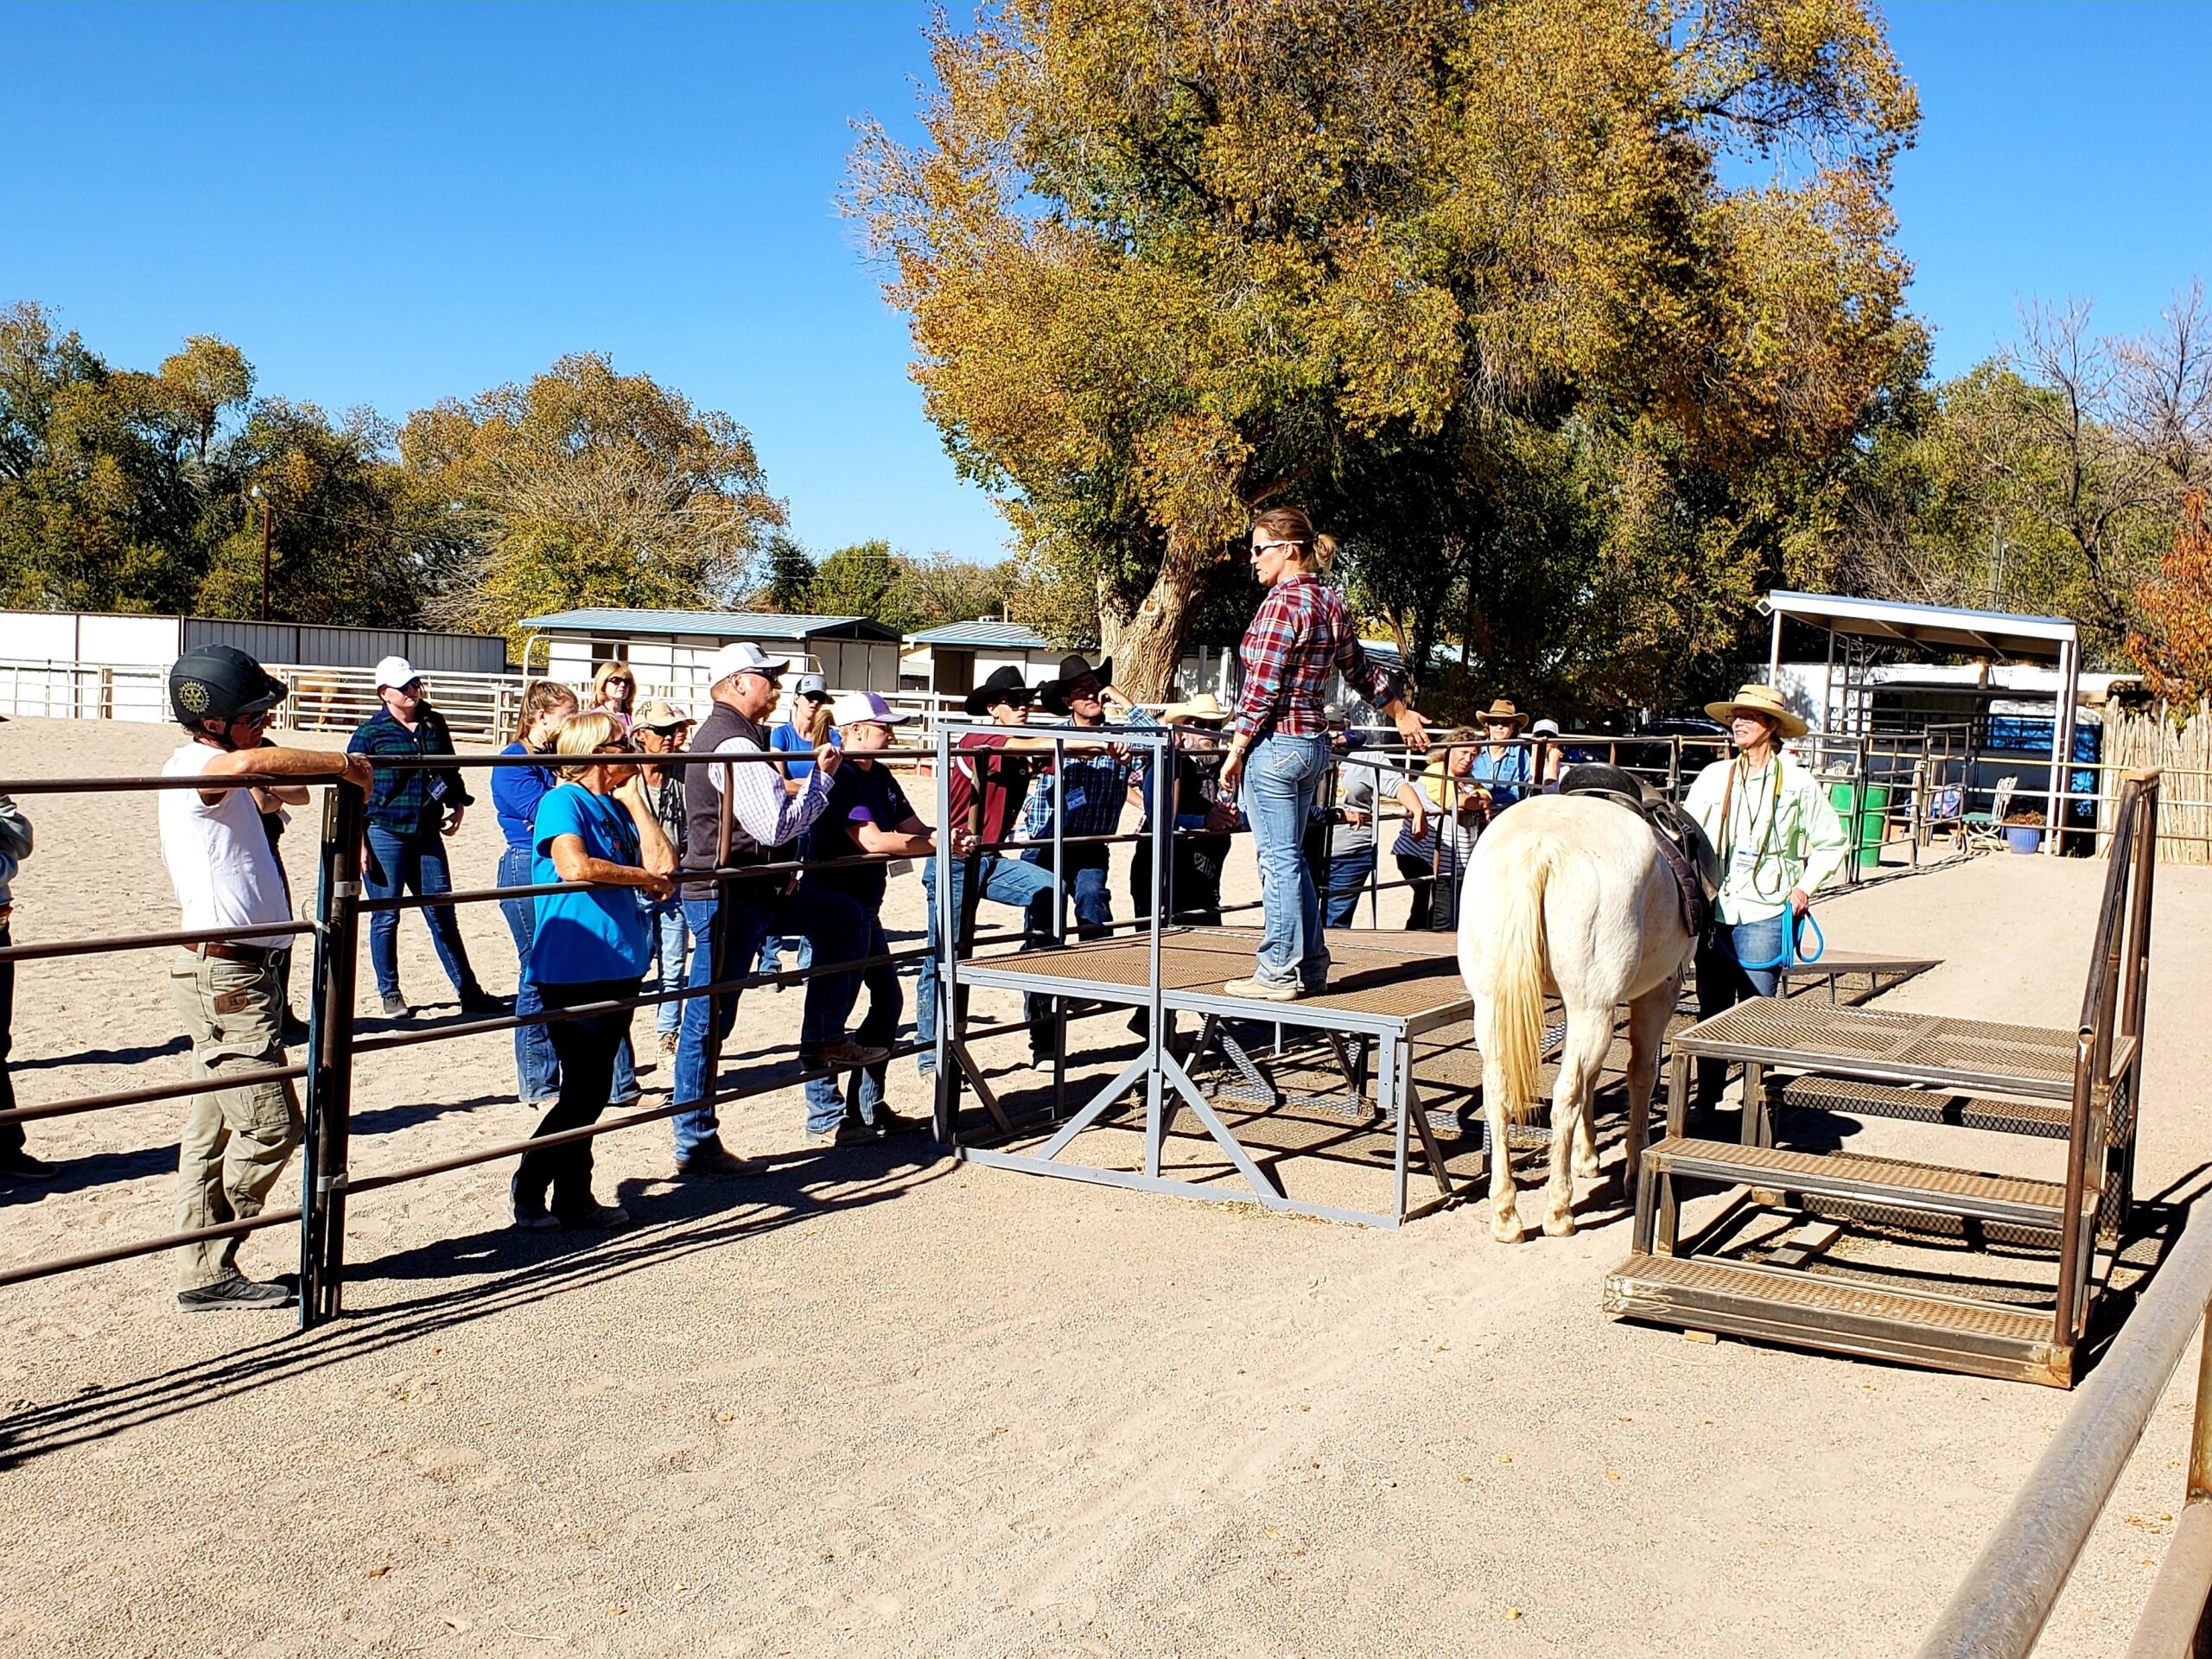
x=669, y=650
x=1999, y=634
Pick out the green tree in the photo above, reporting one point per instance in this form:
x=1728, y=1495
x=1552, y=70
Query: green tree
x=1167, y=263
x=784, y=577
x=854, y=581
x=589, y=487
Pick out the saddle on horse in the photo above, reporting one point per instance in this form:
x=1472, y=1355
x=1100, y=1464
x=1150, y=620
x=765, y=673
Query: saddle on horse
x=1682, y=841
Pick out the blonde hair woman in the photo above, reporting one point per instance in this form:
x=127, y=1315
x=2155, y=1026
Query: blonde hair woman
x=1301, y=636
x=614, y=693
x=590, y=946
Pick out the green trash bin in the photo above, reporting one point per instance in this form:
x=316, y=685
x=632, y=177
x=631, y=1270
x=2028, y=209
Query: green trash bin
x=1873, y=814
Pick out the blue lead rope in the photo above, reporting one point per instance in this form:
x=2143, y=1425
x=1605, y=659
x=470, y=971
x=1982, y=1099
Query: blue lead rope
x=1791, y=939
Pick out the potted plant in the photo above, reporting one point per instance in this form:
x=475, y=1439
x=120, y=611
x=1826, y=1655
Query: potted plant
x=2023, y=829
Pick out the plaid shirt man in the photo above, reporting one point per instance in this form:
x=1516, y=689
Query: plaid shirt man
x=1097, y=786
x=1301, y=635
x=410, y=803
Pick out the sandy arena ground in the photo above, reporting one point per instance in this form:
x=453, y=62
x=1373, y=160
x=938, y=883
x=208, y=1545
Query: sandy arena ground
x=879, y=1402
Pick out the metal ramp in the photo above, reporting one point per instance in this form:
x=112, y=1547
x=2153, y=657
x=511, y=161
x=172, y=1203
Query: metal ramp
x=1931, y=1264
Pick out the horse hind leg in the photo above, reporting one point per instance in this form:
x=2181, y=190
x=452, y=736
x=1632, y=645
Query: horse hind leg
x=1589, y=1036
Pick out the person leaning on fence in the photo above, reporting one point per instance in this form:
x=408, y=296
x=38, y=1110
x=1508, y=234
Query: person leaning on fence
x=1432, y=855
x=235, y=1141
x=589, y=947
x=1301, y=635
x=988, y=781
x=868, y=813
x=1360, y=779
x=661, y=730
x=1203, y=820
x=16, y=1161
x=809, y=726
x=1778, y=838
x=516, y=791
x=729, y=919
x=614, y=693
x=410, y=813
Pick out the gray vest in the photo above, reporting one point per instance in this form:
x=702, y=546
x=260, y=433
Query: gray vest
x=703, y=801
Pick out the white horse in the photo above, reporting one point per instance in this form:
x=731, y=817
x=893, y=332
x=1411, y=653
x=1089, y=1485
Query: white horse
x=1567, y=892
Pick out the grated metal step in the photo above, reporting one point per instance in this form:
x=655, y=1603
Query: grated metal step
x=1858, y=1098
x=1810, y=1311
x=1875, y=1181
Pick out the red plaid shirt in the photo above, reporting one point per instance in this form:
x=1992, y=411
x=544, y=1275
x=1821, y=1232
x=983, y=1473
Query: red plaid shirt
x=1301, y=635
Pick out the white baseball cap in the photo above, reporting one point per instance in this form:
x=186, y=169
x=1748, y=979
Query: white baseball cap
x=858, y=708
x=396, y=672
x=744, y=658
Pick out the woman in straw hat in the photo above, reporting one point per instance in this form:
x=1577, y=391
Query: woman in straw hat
x=1779, y=839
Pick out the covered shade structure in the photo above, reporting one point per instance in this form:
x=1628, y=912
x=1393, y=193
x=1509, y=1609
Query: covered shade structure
x=1997, y=634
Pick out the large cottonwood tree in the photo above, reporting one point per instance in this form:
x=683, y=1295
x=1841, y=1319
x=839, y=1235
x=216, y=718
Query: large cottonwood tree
x=1166, y=262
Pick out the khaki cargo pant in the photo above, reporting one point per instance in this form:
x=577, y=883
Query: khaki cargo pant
x=235, y=1141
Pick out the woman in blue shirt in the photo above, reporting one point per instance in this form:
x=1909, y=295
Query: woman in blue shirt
x=516, y=791
x=589, y=946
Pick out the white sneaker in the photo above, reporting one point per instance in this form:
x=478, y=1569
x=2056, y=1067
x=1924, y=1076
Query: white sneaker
x=1264, y=990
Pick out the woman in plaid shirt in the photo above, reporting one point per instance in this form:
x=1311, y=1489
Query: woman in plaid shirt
x=1301, y=635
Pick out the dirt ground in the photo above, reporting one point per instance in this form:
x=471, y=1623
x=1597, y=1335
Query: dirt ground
x=878, y=1402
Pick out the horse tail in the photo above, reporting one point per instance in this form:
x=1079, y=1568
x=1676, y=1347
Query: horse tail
x=1517, y=945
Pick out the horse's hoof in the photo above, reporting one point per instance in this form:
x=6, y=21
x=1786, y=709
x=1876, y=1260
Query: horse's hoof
x=1506, y=1230
x=1559, y=1226
x=1588, y=1172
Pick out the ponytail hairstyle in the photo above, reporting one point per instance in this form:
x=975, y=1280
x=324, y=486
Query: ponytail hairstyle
x=539, y=697
x=1315, y=552
x=818, y=725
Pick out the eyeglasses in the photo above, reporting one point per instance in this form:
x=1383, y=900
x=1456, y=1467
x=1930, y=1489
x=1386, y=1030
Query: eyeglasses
x=1259, y=548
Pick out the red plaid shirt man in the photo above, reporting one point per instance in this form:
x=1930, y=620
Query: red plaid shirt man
x=1301, y=635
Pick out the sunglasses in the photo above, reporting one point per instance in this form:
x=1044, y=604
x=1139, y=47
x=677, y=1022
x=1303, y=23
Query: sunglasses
x=1259, y=548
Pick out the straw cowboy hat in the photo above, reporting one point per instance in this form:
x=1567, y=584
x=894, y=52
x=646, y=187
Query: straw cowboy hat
x=1503, y=708
x=1053, y=694
x=1205, y=708
x=1005, y=685
x=1762, y=700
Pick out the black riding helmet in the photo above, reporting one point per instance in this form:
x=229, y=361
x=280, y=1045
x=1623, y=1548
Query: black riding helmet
x=220, y=683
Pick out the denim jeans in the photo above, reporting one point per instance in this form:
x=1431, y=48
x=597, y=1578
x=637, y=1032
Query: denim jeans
x=537, y=1068
x=416, y=863
x=1348, y=873
x=1004, y=881
x=772, y=948
x=671, y=960
x=826, y=1102
x=11, y=1135
x=836, y=928
x=1723, y=980
x=1086, y=884
x=1281, y=777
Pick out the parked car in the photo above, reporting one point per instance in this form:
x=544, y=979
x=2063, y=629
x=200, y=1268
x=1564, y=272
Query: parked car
x=1648, y=759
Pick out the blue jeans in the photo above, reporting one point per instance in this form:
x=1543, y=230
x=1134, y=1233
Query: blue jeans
x=1723, y=980
x=1348, y=873
x=537, y=1068
x=1086, y=884
x=836, y=928
x=825, y=1102
x=415, y=863
x=671, y=947
x=1004, y=881
x=772, y=948
x=1281, y=777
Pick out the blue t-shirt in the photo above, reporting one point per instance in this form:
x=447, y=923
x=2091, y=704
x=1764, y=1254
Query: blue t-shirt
x=787, y=739
x=857, y=795
x=583, y=936
x=516, y=791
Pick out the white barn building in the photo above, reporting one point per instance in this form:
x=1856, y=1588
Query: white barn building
x=667, y=651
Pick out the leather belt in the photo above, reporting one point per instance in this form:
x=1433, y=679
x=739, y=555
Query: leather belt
x=258, y=954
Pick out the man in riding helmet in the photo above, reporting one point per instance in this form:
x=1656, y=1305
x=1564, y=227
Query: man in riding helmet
x=228, y=990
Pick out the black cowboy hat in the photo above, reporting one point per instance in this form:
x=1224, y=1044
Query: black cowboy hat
x=1053, y=694
x=1001, y=687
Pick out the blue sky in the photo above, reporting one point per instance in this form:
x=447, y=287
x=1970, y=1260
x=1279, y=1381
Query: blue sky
x=386, y=204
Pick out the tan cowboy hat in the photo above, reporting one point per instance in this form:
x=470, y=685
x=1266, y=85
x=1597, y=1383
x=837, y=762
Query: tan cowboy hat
x=1503, y=708
x=1204, y=707
x=1758, y=700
